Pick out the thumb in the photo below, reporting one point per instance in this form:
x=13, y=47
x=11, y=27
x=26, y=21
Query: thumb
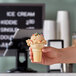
x=46, y=49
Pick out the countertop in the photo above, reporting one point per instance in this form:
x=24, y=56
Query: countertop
x=38, y=74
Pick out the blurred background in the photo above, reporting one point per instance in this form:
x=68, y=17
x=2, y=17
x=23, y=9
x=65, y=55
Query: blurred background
x=51, y=8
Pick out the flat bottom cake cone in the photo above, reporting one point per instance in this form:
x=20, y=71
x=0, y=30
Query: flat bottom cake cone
x=37, y=52
x=37, y=56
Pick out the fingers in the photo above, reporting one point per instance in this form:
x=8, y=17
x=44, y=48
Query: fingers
x=31, y=54
x=46, y=49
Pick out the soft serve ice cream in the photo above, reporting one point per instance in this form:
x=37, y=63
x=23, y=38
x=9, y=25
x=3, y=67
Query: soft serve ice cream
x=36, y=42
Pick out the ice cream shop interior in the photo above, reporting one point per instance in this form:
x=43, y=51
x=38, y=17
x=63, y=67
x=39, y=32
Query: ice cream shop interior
x=36, y=24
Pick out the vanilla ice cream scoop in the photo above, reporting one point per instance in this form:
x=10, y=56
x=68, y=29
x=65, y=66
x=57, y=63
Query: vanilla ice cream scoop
x=36, y=39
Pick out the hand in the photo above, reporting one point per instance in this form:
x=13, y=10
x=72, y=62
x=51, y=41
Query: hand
x=49, y=56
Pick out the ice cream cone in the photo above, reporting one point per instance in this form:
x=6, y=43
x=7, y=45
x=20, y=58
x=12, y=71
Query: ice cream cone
x=37, y=52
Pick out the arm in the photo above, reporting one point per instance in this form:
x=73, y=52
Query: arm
x=67, y=55
x=52, y=55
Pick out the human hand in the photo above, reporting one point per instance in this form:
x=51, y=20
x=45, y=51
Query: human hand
x=49, y=56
